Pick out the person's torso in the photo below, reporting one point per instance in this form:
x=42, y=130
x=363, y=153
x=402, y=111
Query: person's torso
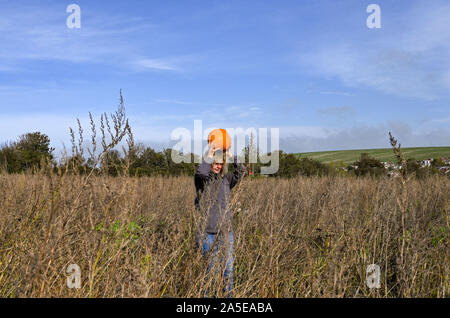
x=213, y=200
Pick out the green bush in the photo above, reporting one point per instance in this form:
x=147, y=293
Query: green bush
x=369, y=166
x=29, y=153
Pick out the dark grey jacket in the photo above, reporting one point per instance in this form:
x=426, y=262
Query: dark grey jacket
x=213, y=195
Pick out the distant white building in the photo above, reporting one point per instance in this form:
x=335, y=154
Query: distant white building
x=444, y=169
x=391, y=166
x=426, y=162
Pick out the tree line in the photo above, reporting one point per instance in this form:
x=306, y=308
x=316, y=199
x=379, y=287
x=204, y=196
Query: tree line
x=32, y=152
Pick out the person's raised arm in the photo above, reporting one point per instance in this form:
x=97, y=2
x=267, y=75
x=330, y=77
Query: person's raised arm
x=204, y=168
x=239, y=170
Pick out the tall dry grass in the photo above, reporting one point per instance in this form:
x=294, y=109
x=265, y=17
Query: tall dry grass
x=302, y=237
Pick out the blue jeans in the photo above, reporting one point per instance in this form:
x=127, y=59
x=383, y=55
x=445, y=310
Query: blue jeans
x=210, y=246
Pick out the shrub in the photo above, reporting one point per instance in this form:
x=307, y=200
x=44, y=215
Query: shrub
x=369, y=166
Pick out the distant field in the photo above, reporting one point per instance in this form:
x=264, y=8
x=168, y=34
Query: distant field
x=386, y=154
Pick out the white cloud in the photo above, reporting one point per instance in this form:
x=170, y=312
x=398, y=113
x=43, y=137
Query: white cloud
x=55, y=126
x=337, y=93
x=34, y=33
x=157, y=64
x=288, y=132
x=338, y=111
x=212, y=111
x=362, y=137
x=410, y=61
x=24, y=89
x=152, y=130
x=440, y=120
x=155, y=131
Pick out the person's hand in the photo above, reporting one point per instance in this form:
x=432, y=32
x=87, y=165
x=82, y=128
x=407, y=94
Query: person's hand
x=229, y=154
x=212, y=150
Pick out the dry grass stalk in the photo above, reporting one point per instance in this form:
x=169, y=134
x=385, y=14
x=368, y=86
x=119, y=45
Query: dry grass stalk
x=303, y=237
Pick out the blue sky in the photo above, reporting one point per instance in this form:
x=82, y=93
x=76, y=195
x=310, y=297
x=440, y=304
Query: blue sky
x=310, y=68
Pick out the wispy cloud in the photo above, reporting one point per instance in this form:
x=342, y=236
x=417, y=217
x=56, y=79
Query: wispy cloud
x=412, y=61
x=306, y=139
x=56, y=126
x=157, y=64
x=440, y=120
x=337, y=111
x=41, y=34
x=185, y=102
x=17, y=89
x=228, y=107
x=243, y=112
x=336, y=93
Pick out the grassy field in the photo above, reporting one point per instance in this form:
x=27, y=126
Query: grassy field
x=300, y=237
x=350, y=156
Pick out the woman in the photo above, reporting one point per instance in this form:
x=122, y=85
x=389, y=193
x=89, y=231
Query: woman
x=213, y=187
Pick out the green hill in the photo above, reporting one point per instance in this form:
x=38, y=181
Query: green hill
x=385, y=154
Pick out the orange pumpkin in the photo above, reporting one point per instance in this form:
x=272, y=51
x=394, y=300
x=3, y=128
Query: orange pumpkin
x=220, y=138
